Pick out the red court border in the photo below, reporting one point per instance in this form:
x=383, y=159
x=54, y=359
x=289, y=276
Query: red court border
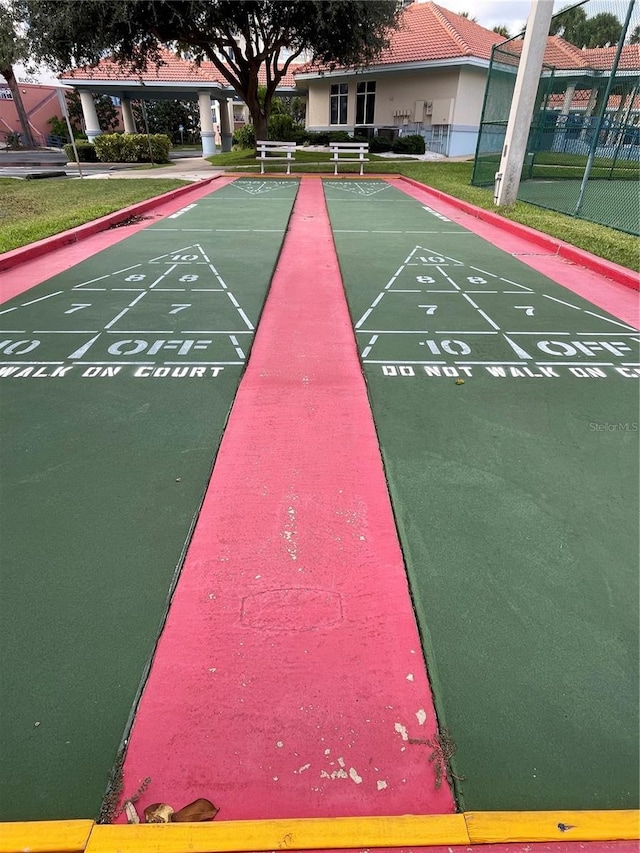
x=13, y=258
x=558, y=247
x=52, y=258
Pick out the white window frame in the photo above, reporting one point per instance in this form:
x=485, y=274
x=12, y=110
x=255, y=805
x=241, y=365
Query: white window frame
x=339, y=97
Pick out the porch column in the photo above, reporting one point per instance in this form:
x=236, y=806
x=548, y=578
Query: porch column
x=91, y=123
x=127, y=115
x=568, y=99
x=226, y=123
x=206, y=124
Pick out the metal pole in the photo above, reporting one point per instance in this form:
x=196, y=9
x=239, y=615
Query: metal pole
x=65, y=112
x=146, y=126
x=605, y=101
x=524, y=97
x=623, y=129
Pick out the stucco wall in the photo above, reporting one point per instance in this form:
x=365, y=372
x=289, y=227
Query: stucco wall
x=395, y=92
x=469, y=97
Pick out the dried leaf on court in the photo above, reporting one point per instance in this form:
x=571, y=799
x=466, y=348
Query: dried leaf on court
x=158, y=813
x=200, y=809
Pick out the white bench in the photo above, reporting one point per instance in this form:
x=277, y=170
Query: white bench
x=270, y=150
x=349, y=152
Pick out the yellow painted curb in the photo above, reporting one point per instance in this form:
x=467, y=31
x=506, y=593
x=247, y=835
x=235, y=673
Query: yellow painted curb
x=83, y=836
x=495, y=827
x=266, y=835
x=45, y=836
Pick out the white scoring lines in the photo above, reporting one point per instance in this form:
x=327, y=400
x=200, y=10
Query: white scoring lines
x=446, y=269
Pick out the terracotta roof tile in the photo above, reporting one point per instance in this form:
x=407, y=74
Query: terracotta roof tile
x=173, y=69
x=428, y=33
x=602, y=57
x=558, y=52
x=563, y=55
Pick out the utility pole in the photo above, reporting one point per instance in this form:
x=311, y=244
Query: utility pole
x=524, y=96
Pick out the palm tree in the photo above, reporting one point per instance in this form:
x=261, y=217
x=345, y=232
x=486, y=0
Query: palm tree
x=502, y=30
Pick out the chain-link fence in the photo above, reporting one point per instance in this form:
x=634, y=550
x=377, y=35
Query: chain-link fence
x=583, y=154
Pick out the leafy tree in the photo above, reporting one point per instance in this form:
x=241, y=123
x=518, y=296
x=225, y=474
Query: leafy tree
x=468, y=16
x=635, y=35
x=14, y=48
x=602, y=29
x=107, y=113
x=167, y=117
x=238, y=36
x=569, y=23
x=503, y=31
x=575, y=27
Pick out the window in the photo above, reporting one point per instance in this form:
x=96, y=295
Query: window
x=365, y=102
x=339, y=95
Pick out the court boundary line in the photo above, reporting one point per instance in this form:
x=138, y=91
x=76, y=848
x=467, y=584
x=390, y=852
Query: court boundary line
x=555, y=245
x=473, y=827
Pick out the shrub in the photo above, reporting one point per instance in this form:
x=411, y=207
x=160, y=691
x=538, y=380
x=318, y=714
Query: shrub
x=411, y=144
x=339, y=136
x=299, y=134
x=378, y=145
x=318, y=137
x=58, y=127
x=132, y=147
x=86, y=152
x=281, y=127
x=245, y=137
x=13, y=140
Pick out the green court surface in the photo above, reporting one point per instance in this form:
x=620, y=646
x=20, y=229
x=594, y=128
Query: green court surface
x=507, y=413
x=117, y=377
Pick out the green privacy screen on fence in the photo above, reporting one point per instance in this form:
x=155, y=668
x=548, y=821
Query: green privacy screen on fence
x=583, y=156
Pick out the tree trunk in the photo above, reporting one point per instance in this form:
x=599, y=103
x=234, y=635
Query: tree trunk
x=27, y=136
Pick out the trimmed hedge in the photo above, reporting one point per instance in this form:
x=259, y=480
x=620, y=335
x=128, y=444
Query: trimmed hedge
x=379, y=145
x=86, y=152
x=411, y=144
x=132, y=147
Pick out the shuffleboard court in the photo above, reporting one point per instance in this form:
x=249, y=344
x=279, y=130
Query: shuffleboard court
x=117, y=379
x=507, y=412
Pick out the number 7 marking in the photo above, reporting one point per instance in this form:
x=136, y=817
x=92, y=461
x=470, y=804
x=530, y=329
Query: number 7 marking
x=528, y=309
x=77, y=306
x=176, y=308
x=430, y=309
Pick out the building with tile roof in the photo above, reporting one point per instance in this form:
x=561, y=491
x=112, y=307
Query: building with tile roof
x=174, y=78
x=432, y=77
x=430, y=80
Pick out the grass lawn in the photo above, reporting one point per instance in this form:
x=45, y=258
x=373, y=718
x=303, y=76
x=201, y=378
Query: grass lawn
x=245, y=157
x=454, y=178
x=31, y=210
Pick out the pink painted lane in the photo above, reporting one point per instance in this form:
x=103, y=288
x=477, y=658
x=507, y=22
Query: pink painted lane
x=621, y=300
x=289, y=680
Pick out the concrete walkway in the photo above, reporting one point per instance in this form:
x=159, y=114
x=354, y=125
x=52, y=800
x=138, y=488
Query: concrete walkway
x=185, y=169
